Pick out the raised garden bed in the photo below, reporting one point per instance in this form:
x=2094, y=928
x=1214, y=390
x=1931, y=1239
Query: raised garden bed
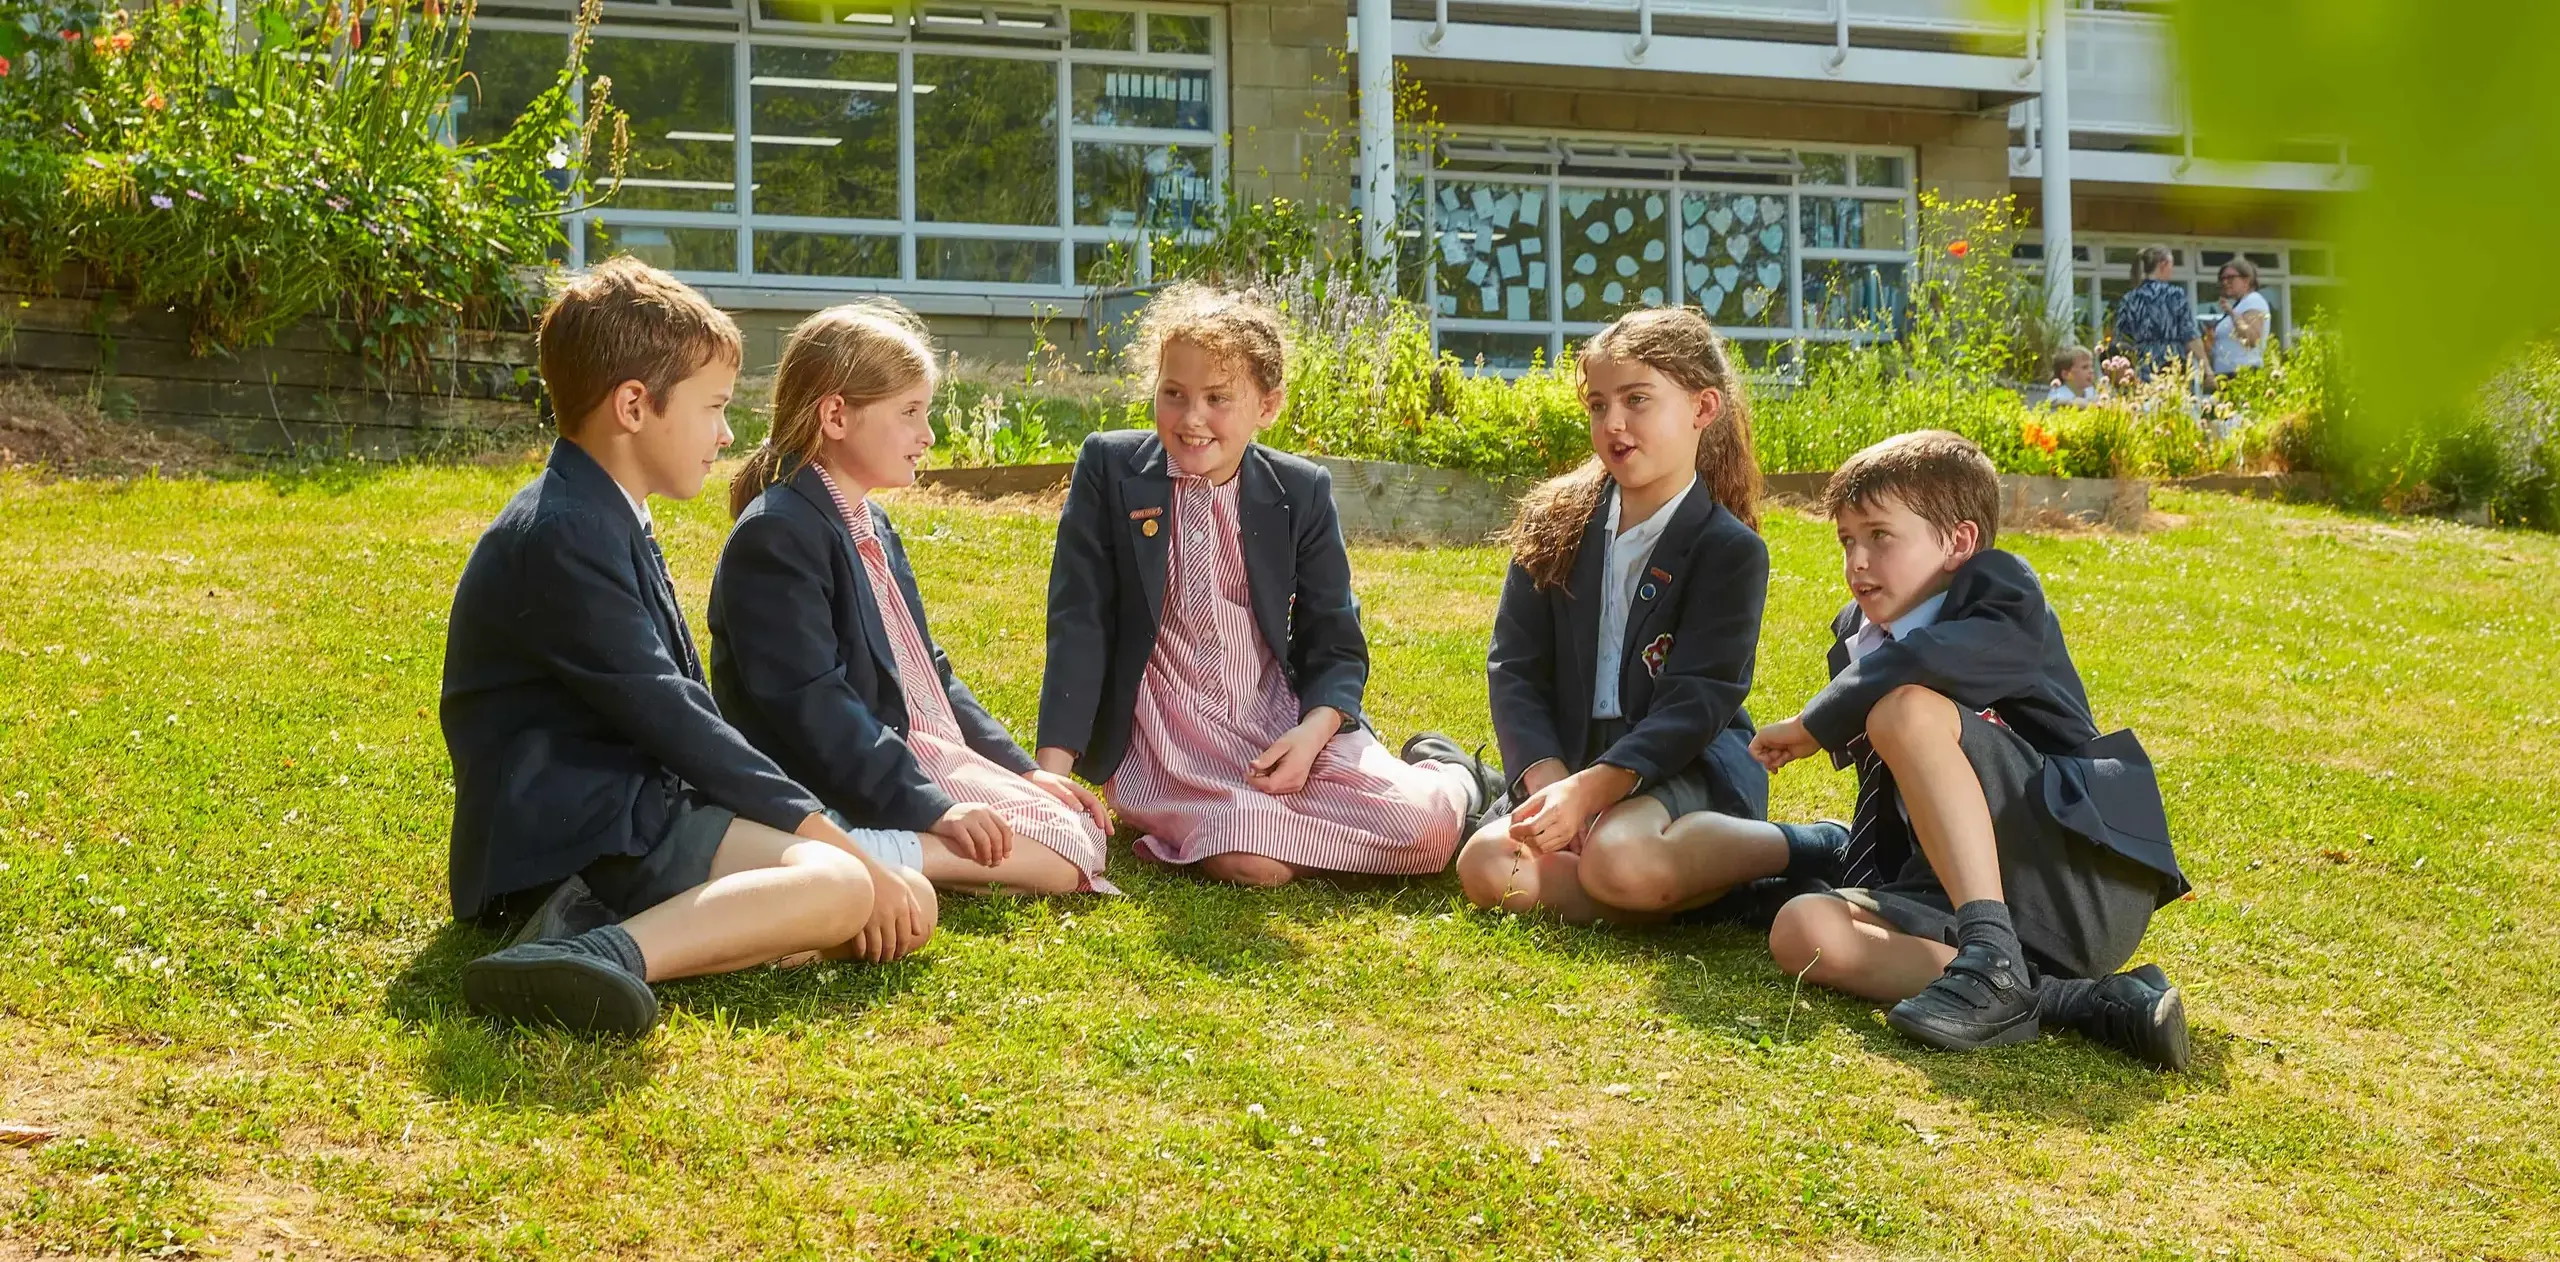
x=1403, y=503
x=306, y=394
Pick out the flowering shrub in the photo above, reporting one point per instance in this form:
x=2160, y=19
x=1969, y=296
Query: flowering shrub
x=292, y=166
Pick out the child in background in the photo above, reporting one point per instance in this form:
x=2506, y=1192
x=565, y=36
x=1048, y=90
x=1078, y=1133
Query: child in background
x=1623, y=649
x=2005, y=859
x=2075, y=378
x=593, y=775
x=1206, y=663
x=819, y=649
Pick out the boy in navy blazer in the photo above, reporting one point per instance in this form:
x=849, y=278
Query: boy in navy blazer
x=2005, y=858
x=590, y=764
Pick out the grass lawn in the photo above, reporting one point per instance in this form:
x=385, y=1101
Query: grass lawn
x=227, y=976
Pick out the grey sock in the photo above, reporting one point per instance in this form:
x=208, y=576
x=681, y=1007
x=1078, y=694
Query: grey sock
x=2063, y=1001
x=1814, y=849
x=1986, y=920
x=614, y=946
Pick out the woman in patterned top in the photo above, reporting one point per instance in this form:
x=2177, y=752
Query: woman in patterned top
x=2159, y=316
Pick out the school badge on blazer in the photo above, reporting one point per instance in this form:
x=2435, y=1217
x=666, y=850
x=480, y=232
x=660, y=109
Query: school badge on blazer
x=1656, y=653
x=1146, y=519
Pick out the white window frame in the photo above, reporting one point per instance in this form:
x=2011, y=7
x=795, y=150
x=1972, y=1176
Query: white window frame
x=2091, y=269
x=1786, y=338
x=742, y=27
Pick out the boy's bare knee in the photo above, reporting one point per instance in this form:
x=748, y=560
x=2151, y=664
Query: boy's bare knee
x=1484, y=868
x=1812, y=936
x=1909, y=714
x=842, y=897
x=1623, y=865
x=928, y=902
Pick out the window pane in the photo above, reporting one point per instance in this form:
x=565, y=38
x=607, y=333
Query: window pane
x=1846, y=223
x=1105, y=262
x=1876, y=171
x=508, y=69
x=1615, y=253
x=1763, y=354
x=1155, y=186
x=1177, y=33
x=1121, y=96
x=677, y=95
x=826, y=133
x=1841, y=294
x=1493, y=243
x=1495, y=350
x=1825, y=168
x=987, y=141
x=1733, y=257
x=683, y=148
x=963, y=258
x=825, y=254
x=674, y=249
x=1094, y=28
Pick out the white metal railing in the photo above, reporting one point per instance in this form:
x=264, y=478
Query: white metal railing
x=1843, y=17
x=2124, y=75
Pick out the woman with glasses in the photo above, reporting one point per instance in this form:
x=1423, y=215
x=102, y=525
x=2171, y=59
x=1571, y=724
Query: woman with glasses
x=2240, y=337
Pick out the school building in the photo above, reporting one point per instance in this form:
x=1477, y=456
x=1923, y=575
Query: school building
x=1761, y=159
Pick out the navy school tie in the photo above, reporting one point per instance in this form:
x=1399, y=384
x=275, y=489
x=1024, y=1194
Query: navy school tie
x=1879, y=839
x=685, y=656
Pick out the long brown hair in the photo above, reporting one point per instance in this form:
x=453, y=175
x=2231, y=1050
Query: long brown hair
x=865, y=351
x=1678, y=343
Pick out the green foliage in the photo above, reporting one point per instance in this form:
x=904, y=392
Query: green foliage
x=287, y=168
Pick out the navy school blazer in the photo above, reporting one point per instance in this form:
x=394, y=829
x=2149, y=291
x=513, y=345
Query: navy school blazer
x=1684, y=668
x=1998, y=646
x=802, y=663
x=573, y=707
x=1107, y=589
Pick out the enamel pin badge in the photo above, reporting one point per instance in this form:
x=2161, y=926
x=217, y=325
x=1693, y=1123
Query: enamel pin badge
x=1146, y=519
x=1653, y=579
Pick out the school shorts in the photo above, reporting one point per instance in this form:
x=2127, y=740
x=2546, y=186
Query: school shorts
x=1704, y=785
x=2080, y=908
x=687, y=829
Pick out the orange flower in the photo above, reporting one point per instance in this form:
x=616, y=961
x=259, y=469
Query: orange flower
x=155, y=101
x=2037, y=437
x=1959, y=249
x=4, y=67
x=121, y=41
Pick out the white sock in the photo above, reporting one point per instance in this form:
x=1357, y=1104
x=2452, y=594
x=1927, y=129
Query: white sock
x=893, y=848
x=1470, y=790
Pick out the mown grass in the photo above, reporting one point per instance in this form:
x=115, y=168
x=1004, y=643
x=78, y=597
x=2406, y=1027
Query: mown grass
x=227, y=976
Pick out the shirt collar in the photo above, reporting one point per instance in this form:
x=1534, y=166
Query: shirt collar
x=639, y=506
x=1923, y=614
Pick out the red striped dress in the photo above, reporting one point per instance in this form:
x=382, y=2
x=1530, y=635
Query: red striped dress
x=933, y=734
x=1214, y=698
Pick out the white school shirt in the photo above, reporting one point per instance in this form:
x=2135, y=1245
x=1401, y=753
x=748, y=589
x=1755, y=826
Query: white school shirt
x=639, y=507
x=1623, y=572
x=1866, y=639
x=2227, y=353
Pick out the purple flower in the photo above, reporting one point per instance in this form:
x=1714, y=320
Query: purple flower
x=337, y=203
x=194, y=194
x=161, y=201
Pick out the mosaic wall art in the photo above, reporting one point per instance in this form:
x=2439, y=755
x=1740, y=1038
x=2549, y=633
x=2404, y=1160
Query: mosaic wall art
x=1493, y=243
x=1615, y=256
x=1733, y=252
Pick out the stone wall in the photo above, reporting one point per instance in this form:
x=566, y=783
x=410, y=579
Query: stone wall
x=1289, y=102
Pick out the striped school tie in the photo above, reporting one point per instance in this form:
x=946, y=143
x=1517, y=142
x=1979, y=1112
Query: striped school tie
x=1879, y=840
x=686, y=657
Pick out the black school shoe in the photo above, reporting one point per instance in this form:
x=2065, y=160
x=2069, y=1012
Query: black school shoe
x=1982, y=1000
x=2141, y=1015
x=555, y=983
x=1438, y=747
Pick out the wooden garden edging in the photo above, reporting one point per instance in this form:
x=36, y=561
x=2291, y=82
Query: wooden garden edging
x=304, y=394
x=1402, y=503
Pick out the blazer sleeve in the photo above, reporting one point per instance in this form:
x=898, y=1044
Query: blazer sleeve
x=1991, y=648
x=978, y=729
x=777, y=582
x=585, y=619
x=1326, y=646
x=1083, y=589
x=1520, y=672
x=1707, y=673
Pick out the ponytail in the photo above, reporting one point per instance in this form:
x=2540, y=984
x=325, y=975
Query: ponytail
x=864, y=351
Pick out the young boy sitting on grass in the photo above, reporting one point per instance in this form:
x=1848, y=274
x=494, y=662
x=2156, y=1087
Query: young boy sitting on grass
x=592, y=774
x=2005, y=857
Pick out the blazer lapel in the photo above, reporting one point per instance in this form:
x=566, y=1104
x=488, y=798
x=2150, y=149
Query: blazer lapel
x=1147, y=494
x=1665, y=570
x=809, y=486
x=1270, y=549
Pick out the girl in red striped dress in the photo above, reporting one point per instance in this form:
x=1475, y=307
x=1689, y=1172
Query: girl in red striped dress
x=819, y=651
x=1206, y=663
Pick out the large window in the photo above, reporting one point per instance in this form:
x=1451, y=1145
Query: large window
x=829, y=144
x=1534, y=242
